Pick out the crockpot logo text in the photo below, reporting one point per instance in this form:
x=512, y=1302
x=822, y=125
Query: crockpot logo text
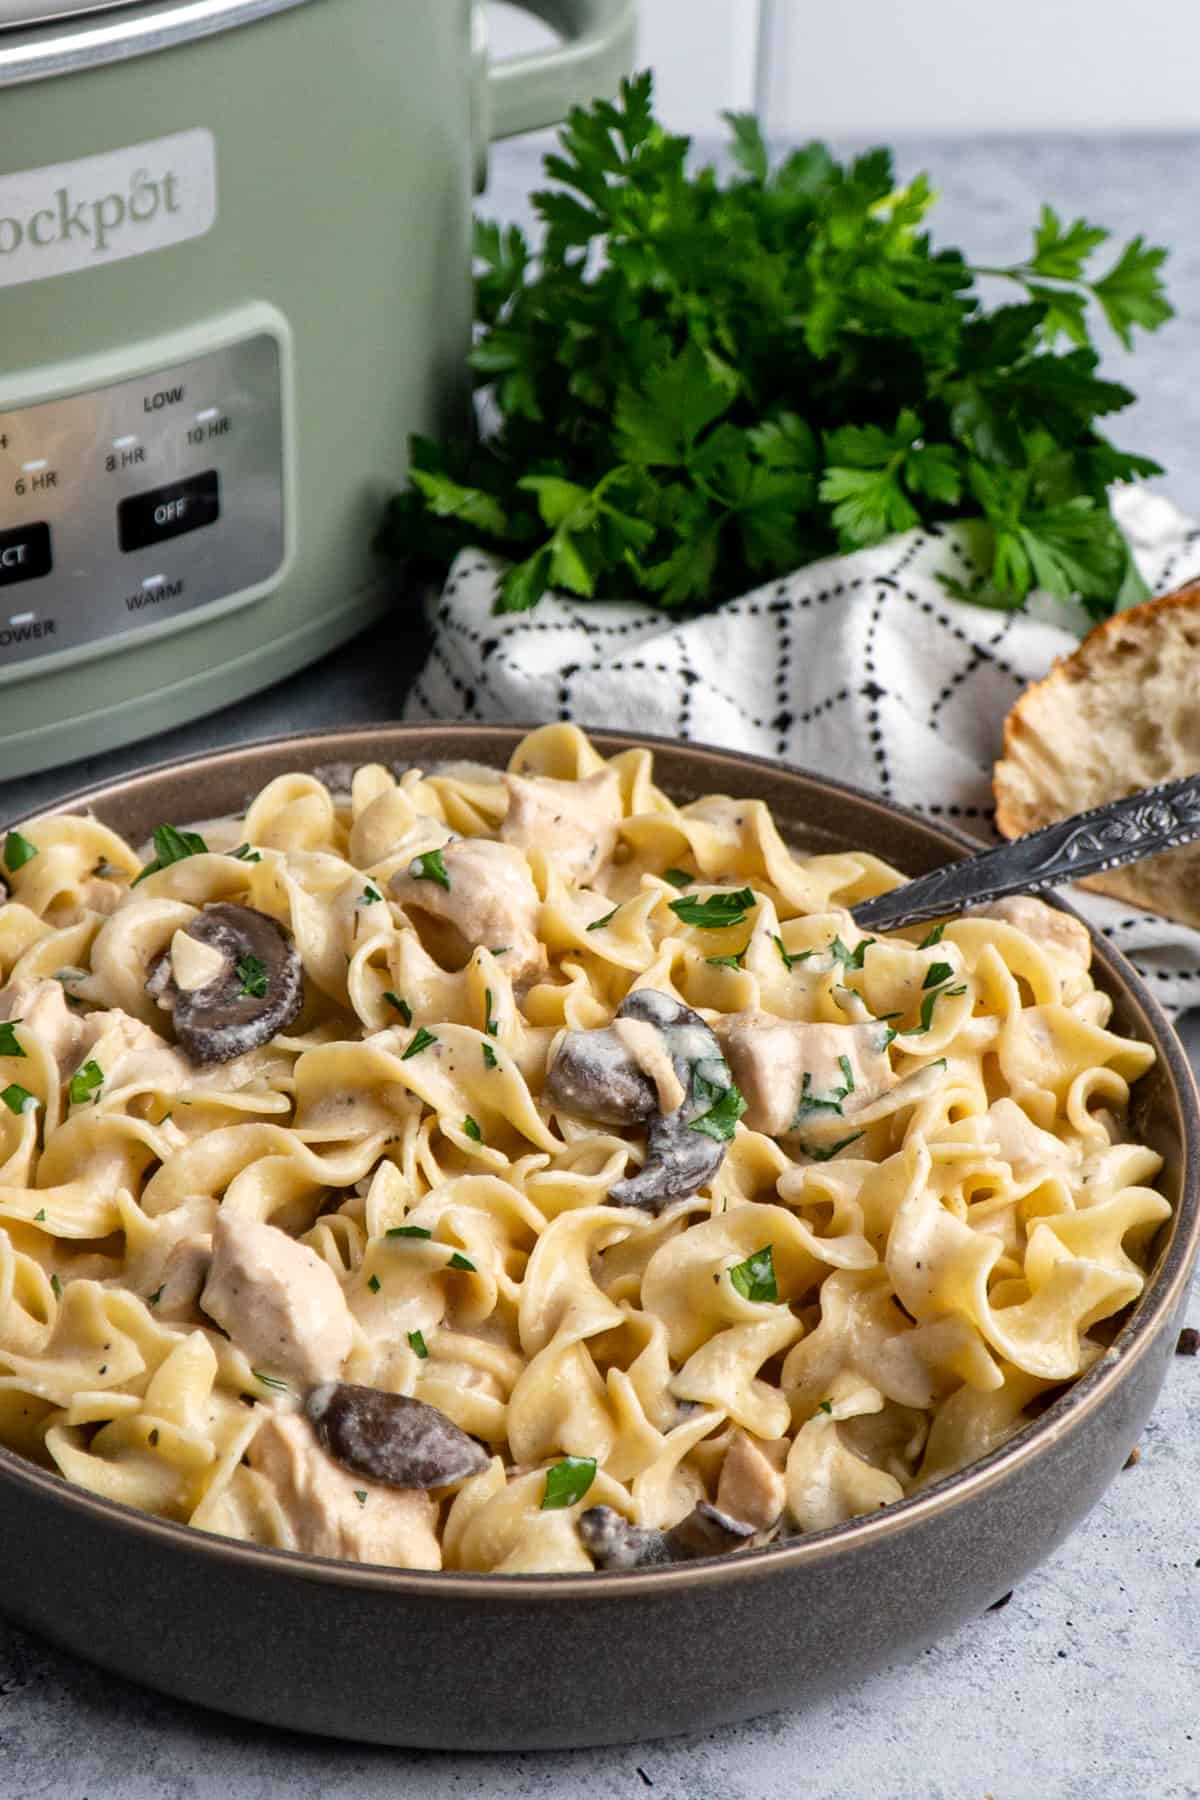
x=100, y=209
x=95, y=220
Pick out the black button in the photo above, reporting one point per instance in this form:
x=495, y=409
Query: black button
x=25, y=554
x=167, y=512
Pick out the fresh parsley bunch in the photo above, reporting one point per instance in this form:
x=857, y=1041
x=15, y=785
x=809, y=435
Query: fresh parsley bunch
x=697, y=387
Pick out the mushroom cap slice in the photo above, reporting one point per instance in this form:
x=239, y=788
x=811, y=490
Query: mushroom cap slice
x=613, y=1543
x=390, y=1437
x=259, y=991
x=594, y=1076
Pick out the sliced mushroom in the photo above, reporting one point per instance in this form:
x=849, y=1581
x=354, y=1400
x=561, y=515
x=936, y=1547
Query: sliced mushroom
x=617, y=1079
x=390, y=1437
x=258, y=991
x=613, y=1543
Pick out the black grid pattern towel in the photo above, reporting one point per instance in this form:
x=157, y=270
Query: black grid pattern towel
x=859, y=667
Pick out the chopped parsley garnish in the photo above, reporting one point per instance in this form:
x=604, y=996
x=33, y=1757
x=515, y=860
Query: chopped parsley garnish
x=851, y=959
x=245, y=854
x=819, y=1155
x=459, y=1261
x=813, y=1103
x=489, y=1057
x=56, y=1287
x=677, y=878
x=39, y=1216
x=408, y=1231
x=932, y=937
x=401, y=1006
x=936, y=973
x=847, y=1068
x=728, y=962
x=17, y=1099
x=374, y=1284
x=417, y=1343
x=271, y=1381
x=599, y=924
x=430, y=867
x=928, y=1004
x=360, y=1494
x=717, y=912
x=825, y=1406
x=471, y=1127
x=420, y=1042
x=252, y=976
x=8, y=1039
x=154, y=1298
x=18, y=851
x=370, y=895
x=754, y=1279
x=85, y=1081
x=490, y=1024
x=568, y=1481
x=720, y=1121
x=171, y=846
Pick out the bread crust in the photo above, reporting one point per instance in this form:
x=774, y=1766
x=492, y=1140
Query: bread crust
x=1048, y=720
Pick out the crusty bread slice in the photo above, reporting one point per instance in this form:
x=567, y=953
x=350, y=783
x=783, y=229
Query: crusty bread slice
x=1122, y=712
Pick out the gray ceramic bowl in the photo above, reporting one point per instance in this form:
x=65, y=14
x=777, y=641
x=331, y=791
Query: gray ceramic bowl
x=521, y=1662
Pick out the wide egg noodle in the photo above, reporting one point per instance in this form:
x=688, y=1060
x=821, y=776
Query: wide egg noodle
x=949, y=1243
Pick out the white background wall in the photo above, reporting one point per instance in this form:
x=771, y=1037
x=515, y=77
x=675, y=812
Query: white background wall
x=909, y=67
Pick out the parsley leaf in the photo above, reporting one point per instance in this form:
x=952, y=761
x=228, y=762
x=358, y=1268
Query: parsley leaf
x=171, y=846
x=417, y=1343
x=831, y=1150
x=374, y=1284
x=421, y=1041
x=814, y=1103
x=430, y=867
x=568, y=1481
x=717, y=912
x=56, y=1287
x=370, y=895
x=245, y=854
x=85, y=1082
x=932, y=937
x=825, y=1406
x=252, y=976
x=17, y=1098
x=490, y=1060
x=490, y=1024
x=408, y=1231
x=18, y=851
x=701, y=383
x=936, y=973
x=754, y=1279
x=720, y=1121
x=8, y=1039
x=270, y=1381
x=728, y=962
x=599, y=924
x=459, y=1261
x=401, y=1006
x=471, y=1127
x=678, y=878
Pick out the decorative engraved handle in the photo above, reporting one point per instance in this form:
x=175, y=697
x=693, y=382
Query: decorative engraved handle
x=1122, y=832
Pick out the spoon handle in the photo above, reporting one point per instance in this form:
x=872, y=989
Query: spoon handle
x=1123, y=831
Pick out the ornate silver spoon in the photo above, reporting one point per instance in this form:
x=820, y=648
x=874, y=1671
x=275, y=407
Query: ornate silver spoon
x=1123, y=831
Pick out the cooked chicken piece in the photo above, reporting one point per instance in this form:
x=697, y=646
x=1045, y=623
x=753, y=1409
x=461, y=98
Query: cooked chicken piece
x=490, y=900
x=575, y=822
x=1046, y=925
x=335, y=1513
x=787, y=1069
x=277, y=1300
x=42, y=1008
x=751, y=1486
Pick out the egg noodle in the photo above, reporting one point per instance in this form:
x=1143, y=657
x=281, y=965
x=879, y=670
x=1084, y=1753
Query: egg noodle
x=918, y=1198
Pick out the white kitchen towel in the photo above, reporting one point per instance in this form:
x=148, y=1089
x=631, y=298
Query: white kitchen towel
x=861, y=667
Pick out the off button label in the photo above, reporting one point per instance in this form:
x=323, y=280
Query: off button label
x=24, y=554
x=167, y=512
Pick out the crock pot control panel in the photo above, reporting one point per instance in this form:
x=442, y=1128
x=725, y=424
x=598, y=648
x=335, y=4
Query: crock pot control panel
x=127, y=505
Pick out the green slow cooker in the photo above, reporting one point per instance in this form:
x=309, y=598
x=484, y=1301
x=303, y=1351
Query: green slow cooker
x=234, y=276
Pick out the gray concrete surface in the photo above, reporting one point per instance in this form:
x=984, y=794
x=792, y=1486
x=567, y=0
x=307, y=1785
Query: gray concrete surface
x=1086, y=1684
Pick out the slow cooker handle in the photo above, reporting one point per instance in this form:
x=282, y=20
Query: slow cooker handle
x=526, y=92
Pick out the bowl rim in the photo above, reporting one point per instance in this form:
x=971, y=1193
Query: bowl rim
x=1152, y=1312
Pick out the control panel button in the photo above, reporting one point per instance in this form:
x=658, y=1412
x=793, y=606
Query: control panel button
x=167, y=512
x=24, y=554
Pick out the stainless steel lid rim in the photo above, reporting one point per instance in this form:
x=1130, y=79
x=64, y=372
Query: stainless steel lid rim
x=35, y=46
